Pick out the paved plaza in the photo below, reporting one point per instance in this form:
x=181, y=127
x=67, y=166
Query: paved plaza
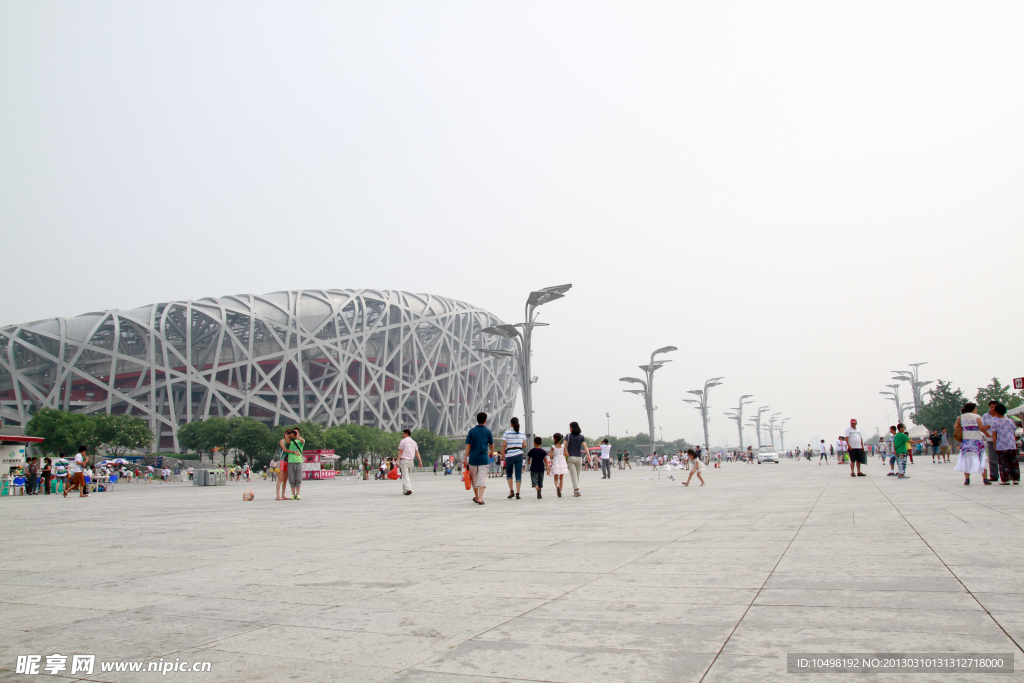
x=637, y=580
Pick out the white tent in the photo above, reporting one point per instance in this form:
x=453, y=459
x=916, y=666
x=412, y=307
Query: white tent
x=918, y=432
x=1019, y=410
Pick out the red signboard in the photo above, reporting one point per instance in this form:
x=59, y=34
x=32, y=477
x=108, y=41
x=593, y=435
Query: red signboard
x=1018, y=383
x=311, y=468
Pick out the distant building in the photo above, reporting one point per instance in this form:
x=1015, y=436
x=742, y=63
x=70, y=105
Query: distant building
x=388, y=359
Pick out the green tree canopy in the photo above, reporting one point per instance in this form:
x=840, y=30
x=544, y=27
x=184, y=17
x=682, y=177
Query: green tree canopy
x=122, y=433
x=996, y=391
x=62, y=432
x=252, y=439
x=942, y=409
x=190, y=438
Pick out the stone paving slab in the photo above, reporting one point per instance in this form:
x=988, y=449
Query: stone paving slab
x=638, y=580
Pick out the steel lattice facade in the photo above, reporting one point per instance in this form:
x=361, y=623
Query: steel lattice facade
x=388, y=359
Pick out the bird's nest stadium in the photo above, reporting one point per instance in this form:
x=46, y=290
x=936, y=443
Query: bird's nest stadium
x=388, y=359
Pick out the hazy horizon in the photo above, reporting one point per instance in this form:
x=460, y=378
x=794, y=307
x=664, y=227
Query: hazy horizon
x=801, y=197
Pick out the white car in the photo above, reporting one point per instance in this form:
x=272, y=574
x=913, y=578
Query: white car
x=767, y=454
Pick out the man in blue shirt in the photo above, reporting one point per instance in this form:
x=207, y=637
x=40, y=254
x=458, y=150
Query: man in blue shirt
x=479, y=447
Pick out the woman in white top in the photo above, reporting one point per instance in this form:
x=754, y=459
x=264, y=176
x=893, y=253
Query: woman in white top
x=973, y=456
x=559, y=466
x=698, y=467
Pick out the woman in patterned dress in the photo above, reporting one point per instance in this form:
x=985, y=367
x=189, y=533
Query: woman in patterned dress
x=973, y=455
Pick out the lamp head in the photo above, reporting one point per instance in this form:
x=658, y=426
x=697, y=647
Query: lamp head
x=507, y=331
x=557, y=289
x=497, y=352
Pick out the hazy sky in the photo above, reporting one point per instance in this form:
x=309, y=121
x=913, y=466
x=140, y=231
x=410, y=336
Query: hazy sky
x=800, y=196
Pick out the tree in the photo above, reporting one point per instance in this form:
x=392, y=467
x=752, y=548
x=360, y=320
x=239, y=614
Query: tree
x=190, y=438
x=996, y=391
x=122, y=433
x=62, y=432
x=215, y=433
x=942, y=409
x=252, y=438
x=341, y=440
x=385, y=444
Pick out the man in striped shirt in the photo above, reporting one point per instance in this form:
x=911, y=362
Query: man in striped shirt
x=512, y=449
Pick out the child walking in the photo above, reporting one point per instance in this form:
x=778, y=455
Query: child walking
x=559, y=466
x=537, y=460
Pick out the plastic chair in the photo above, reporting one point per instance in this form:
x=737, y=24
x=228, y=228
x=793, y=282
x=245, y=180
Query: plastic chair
x=113, y=480
x=16, y=485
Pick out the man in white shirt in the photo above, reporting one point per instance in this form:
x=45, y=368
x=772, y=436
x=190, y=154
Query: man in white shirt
x=78, y=474
x=855, y=442
x=407, y=450
x=606, y=460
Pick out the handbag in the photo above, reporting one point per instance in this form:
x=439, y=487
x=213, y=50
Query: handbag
x=466, y=478
x=393, y=474
x=958, y=431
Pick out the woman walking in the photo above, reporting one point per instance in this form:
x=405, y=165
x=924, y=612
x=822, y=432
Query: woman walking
x=576, y=446
x=697, y=468
x=971, y=432
x=512, y=451
x=559, y=466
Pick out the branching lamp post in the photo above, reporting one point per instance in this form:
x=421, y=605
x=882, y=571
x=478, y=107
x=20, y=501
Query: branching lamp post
x=702, y=405
x=782, y=434
x=910, y=377
x=756, y=422
x=522, y=341
x=894, y=396
x=648, y=388
x=771, y=427
x=737, y=415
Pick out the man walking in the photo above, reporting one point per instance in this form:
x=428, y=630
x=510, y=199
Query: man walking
x=944, y=445
x=407, y=449
x=618, y=457
x=78, y=474
x=993, y=458
x=606, y=459
x=479, y=448
x=822, y=453
x=855, y=443
x=935, y=440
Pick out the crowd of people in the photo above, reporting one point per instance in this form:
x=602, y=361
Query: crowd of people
x=985, y=445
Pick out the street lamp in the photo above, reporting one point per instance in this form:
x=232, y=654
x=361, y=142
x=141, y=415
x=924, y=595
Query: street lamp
x=910, y=377
x=648, y=389
x=782, y=434
x=522, y=341
x=894, y=396
x=702, y=405
x=737, y=415
x=608, y=417
x=756, y=422
x=771, y=427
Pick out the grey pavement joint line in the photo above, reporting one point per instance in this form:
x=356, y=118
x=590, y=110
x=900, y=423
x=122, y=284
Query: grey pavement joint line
x=769, y=577
x=969, y=500
x=951, y=572
x=584, y=535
